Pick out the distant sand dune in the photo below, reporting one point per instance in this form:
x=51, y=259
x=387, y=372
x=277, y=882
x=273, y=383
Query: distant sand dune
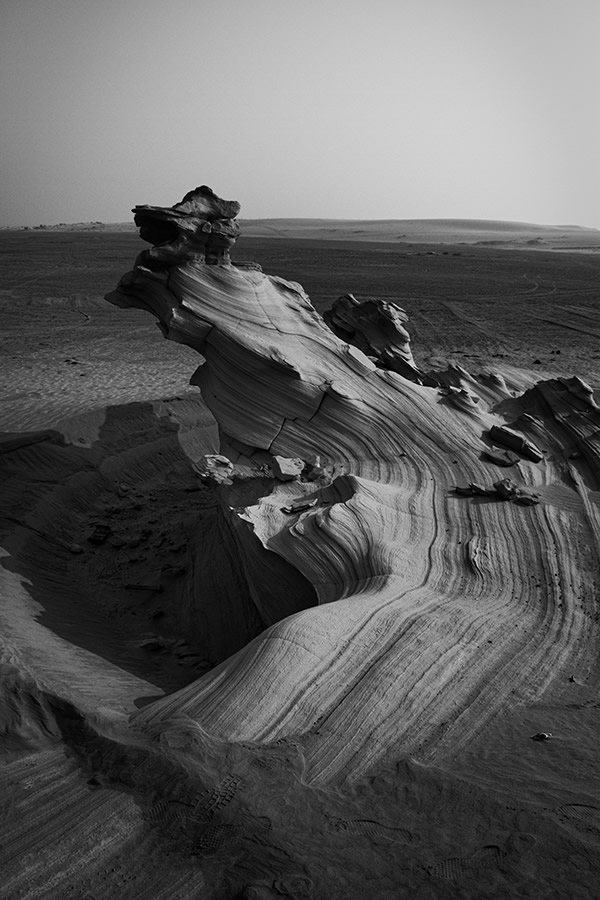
x=434, y=231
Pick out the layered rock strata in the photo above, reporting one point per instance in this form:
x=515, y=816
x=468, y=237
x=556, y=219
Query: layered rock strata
x=437, y=611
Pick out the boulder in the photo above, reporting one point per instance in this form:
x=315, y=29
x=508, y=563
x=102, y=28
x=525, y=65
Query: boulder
x=286, y=469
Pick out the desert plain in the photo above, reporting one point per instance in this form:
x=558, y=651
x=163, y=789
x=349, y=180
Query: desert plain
x=329, y=686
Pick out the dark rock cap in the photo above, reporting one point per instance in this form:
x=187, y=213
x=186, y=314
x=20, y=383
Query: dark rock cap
x=201, y=203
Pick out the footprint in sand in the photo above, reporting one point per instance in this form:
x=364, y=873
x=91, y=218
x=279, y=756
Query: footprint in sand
x=169, y=813
x=459, y=867
x=489, y=857
x=220, y=797
x=585, y=819
x=372, y=829
x=166, y=813
x=216, y=836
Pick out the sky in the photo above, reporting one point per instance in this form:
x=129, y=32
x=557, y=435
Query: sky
x=378, y=109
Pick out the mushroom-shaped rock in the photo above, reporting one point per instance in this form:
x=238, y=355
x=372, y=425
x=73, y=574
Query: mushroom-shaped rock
x=199, y=225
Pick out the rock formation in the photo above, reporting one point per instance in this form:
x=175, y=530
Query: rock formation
x=377, y=328
x=199, y=226
x=415, y=636
x=367, y=590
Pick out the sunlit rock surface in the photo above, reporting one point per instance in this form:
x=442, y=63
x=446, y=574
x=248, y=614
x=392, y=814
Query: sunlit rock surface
x=429, y=620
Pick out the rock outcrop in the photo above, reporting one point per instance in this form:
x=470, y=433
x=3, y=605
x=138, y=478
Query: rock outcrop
x=377, y=327
x=199, y=226
x=409, y=637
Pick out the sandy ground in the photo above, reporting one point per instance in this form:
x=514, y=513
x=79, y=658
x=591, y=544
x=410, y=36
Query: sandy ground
x=101, y=428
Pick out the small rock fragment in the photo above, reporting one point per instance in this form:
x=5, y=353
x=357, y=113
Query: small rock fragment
x=463, y=491
x=216, y=468
x=298, y=507
x=506, y=489
x=514, y=441
x=541, y=736
x=526, y=499
x=478, y=490
x=581, y=389
x=313, y=471
x=501, y=457
x=286, y=469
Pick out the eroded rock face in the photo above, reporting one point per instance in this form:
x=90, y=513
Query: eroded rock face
x=377, y=327
x=199, y=226
x=271, y=363
x=429, y=622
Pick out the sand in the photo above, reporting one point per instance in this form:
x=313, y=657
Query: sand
x=181, y=719
x=478, y=232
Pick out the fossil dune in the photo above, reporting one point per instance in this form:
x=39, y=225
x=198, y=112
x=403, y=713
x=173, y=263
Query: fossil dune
x=393, y=570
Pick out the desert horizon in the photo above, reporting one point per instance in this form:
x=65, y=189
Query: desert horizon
x=434, y=230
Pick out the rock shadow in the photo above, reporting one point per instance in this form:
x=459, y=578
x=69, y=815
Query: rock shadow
x=129, y=556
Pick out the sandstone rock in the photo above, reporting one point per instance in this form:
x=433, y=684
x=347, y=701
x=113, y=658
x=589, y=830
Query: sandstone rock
x=515, y=441
x=501, y=457
x=481, y=491
x=215, y=468
x=506, y=489
x=526, y=499
x=377, y=328
x=287, y=469
x=378, y=552
x=298, y=506
x=199, y=226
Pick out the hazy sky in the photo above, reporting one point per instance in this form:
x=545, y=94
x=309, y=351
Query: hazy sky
x=325, y=108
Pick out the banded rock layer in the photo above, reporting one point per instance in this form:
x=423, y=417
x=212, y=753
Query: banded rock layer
x=436, y=611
